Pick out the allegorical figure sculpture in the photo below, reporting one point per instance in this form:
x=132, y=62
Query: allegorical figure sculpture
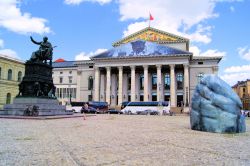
x=216, y=107
x=44, y=53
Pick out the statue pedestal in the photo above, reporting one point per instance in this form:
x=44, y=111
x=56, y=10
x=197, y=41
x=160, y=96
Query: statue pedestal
x=46, y=107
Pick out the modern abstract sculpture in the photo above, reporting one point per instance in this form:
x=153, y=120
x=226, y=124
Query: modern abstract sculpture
x=216, y=107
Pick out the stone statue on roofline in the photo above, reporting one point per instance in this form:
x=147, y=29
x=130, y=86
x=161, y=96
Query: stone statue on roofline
x=44, y=53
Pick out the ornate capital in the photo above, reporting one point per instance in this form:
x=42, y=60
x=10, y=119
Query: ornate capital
x=108, y=68
x=172, y=66
x=132, y=67
x=159, y=66
x=186, y=66
x=145, y=67
x=96, y=68
x=120, y=68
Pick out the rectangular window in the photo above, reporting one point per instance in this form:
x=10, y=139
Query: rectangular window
x=61, y=80
x=141, y=82
x=90, y=98
x=167, y=82
x=60, y=92
x=200, y=63
x=70, y=79
x=129, y=82
x=61, y=72
x=64, y=92
x=90, y=67
x=154, y=81
x=74, y=93
x=68, y=92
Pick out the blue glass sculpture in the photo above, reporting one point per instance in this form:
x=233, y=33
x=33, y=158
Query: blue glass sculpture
x=216, y=107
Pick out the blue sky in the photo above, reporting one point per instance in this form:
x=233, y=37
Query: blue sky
x=81, y=28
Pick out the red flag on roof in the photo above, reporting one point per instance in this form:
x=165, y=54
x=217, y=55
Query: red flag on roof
x=151, y=17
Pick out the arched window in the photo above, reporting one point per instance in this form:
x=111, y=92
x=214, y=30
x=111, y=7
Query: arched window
x=19, y=76
x=141, y=81
x=8, y=98
x=179, y=78
x=167, y=81
x=90, y=87
x=154, y=81
x=200, y=76
x=9, y=74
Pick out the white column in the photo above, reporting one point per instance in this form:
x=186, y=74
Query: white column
x=145, y=83
x=108, y=84
x=113, y=86
x=132, y=83
x=186, y=85
x=78, y=86
x=97, y=84
x=125, y=87
x=102, y=87
x=172, y=86
x=120, y=81
x=159, y=83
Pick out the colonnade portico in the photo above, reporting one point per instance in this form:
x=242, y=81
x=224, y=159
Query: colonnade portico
x=115, y=94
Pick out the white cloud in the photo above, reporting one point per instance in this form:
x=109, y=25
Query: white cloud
x=185, y=18
x=232, y=9
x=195, y=50
x=213, y=53
x=244, y=53
x=9, y=53
x=234, y=74
x=232, y=79
x=14, y=20
x=238, y=69
x=209, y=53
x=1, y=43
x=84, y=56
x=77, y=2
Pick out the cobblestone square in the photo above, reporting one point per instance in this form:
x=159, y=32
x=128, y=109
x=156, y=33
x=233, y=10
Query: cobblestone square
x=118, y=140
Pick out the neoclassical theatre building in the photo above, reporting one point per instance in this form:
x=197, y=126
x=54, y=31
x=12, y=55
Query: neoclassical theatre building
x=149, y=65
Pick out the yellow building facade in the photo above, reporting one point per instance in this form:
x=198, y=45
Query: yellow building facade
x=242, y=88
x=11, y=74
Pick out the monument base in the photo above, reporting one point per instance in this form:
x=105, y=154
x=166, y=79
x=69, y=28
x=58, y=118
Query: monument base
x=45, y=107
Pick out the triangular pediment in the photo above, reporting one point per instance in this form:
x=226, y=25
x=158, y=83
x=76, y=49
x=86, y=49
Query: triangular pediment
x=152, y=35
x=141, y=48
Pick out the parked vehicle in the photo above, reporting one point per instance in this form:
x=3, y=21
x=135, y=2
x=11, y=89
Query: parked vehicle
x=154, y=107
x=114, y=111
x=148, y=112
x=90, y=110
x=95, y=107
x=75, y=106
x=124, y=104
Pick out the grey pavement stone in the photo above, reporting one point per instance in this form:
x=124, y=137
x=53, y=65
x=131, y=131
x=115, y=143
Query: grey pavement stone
x=118, y=140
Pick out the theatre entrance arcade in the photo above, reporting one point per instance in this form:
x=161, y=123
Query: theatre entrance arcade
x=141, y=83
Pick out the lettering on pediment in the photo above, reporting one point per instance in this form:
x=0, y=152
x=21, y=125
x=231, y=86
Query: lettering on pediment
x=150, y=36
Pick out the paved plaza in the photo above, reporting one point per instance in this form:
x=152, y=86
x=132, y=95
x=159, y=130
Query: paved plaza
x=118, y=140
